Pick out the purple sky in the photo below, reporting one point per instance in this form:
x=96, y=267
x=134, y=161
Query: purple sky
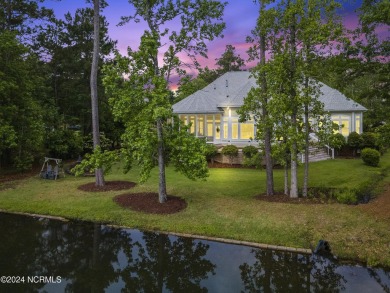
x=240, y=17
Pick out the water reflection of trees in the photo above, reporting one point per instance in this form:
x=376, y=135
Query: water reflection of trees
x=275, y=271
x=161, y=263
x=91, y=257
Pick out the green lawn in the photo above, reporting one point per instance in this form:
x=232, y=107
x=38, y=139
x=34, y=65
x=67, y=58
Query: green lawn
x=223, y=206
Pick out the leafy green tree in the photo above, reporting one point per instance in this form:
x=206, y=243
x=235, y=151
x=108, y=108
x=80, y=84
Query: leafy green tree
x=257, y=101
x=22, y=16
x=66, y=46
x=375, y=12
x=20, y=111
x=313, y=25
x=142, y=100
x=229, y=61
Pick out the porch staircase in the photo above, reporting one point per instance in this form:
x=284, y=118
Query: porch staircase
x=317, y=154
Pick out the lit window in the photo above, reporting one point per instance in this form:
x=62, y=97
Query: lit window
x=200, y=125
x=247, y=131
x=234, y=128
x=357, y=123
x=193, y=124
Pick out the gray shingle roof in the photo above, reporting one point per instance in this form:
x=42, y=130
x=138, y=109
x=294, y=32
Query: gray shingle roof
x=231, y=89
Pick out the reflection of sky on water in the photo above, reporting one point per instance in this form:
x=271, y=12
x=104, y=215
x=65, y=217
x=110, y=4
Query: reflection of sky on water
x=358, y=279
x=227, y=259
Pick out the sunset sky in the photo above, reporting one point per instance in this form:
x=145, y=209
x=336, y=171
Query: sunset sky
x=240, y=17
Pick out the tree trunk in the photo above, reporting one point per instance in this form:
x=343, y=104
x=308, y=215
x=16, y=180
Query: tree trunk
x=162, y=186
x=267, y=130
x=294, y=169
x=286, y=178
x=268, y=162
x=307, y=130
x=99, y=179
x=294, y=106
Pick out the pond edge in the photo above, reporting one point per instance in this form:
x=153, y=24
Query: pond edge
x=186, y=235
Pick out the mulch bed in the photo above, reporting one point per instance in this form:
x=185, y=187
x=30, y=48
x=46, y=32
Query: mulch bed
x=109, y=186
x=282, y=198
x=147, y=202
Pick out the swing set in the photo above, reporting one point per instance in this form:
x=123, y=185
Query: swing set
x=50, y=172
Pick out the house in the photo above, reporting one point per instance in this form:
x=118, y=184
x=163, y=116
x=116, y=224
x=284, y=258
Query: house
x=212, y=111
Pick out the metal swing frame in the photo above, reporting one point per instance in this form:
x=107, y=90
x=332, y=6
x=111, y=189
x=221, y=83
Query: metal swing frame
x=50, y=173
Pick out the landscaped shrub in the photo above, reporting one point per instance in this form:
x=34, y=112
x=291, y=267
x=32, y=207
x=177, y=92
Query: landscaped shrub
x=370, y=157
x=355, y=141
x=230, y=151
x=211, y=152
x=346, y=196
x=370, y=140
x=249, y=151
x=337, y=141
x=254, y=161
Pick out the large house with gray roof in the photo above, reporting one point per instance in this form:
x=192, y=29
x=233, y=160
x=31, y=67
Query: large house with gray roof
x=212, y=111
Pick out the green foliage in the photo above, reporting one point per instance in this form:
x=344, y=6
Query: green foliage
x=186, y=152
x=21, y=114
x=369, y=140
x=105, y=142
x=97, y=160
x=354, y=140
x=383, y=133
x=346, y=196
x=337, y=141
x=67, y=47
x=64, y=144
x=143, y=102
x=229, y=61
x=249, y=151
x=231, y=151
x=253, y=161
x=211, y=151
x=370, y=157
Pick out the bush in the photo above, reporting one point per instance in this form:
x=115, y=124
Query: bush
x=337, y=141
x=250, y=151
x=355, y=141
x=231, y=151
x=370, y=157
x=254, y=161
x=346, y=196
x=211, y=152
x=370, y=140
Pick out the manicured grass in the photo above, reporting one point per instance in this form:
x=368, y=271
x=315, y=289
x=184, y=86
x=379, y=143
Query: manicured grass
x=224, y=206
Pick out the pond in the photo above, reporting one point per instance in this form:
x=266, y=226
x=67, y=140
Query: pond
x=42, y=255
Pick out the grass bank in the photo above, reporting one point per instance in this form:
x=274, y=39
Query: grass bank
x=224, y=206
